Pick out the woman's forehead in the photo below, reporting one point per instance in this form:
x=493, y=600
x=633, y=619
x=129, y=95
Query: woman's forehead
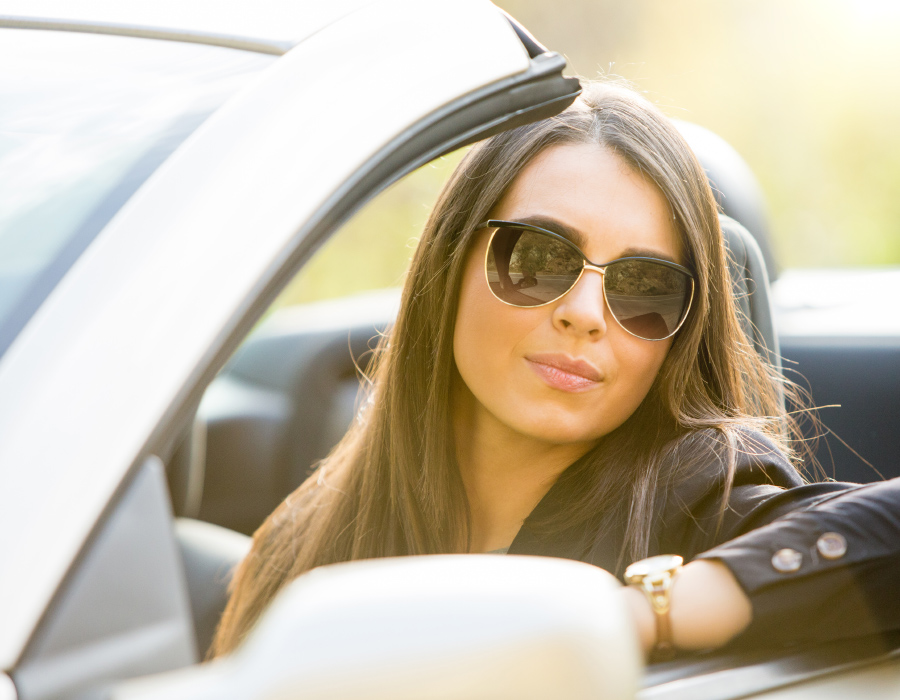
x=602, y=203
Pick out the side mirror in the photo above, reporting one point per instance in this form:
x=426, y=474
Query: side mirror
x=437, y=627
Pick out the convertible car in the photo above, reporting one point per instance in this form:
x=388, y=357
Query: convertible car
x=165, y=170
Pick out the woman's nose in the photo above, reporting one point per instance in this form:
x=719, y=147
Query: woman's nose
x=583, y=309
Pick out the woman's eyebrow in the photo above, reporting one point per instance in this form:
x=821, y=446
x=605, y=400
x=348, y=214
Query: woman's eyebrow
x=647, y=253
x=556, y=226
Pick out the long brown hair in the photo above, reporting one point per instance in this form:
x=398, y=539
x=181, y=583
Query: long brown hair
x=392, y=486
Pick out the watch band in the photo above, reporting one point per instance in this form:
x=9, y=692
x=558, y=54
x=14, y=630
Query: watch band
x=658, y=589
x=655, y=576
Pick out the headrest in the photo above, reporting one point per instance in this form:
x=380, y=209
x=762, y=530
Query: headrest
x=734, y=185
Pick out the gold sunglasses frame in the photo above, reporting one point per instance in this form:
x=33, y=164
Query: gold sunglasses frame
x=586, y=264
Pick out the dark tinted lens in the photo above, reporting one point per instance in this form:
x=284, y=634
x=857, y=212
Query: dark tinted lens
x=528, y=269
x=648, y=299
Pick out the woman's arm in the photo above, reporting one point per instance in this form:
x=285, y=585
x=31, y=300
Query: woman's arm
x=708, y=608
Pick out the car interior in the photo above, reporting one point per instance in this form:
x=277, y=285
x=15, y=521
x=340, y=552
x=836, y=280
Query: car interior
x=288, y=394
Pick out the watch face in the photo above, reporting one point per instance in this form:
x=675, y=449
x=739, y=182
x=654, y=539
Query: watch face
x=653, y=565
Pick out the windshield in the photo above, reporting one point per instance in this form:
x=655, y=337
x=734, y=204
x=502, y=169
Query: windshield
x=84, y=121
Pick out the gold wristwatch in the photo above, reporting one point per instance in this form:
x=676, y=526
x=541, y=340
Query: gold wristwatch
x=654, y=576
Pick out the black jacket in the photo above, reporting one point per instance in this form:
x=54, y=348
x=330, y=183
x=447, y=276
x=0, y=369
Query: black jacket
x=799, y=596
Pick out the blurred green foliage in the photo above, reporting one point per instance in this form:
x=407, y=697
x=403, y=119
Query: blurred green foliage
x=806, y=90
x=373, y=249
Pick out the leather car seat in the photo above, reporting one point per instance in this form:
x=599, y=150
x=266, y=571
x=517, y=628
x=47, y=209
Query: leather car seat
x=210, y=554
x=745, y=229
x=750, y=282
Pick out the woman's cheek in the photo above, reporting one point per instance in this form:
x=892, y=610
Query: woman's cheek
x=646, y=360
x=483, y=338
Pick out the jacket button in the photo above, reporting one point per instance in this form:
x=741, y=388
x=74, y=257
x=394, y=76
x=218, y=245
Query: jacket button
x=787, y=560
x=832, y=545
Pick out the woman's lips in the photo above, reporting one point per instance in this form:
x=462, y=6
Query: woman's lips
x=564, y=373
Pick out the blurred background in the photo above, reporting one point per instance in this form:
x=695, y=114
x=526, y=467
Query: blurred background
x=808, y=91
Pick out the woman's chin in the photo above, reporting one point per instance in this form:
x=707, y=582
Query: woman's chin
x=561, y=432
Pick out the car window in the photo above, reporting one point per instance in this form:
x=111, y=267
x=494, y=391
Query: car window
x=372, y=250
x=84, y=120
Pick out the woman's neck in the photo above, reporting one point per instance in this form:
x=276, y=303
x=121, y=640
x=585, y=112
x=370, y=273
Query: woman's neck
x=505, y=473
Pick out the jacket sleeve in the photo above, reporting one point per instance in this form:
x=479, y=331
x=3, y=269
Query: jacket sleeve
x=828, y=569
x=818, y=561
x=764, y=487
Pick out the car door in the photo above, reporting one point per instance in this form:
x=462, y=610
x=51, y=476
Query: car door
x=111, y=363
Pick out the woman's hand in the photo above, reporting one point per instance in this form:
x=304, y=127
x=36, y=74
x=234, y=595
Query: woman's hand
x=708, y=608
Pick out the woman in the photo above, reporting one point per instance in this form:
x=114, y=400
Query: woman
x=532, y=402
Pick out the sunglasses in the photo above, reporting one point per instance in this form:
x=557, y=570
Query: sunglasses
x=528, y=266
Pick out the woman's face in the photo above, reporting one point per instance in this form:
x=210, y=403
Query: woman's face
x=566, y=372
